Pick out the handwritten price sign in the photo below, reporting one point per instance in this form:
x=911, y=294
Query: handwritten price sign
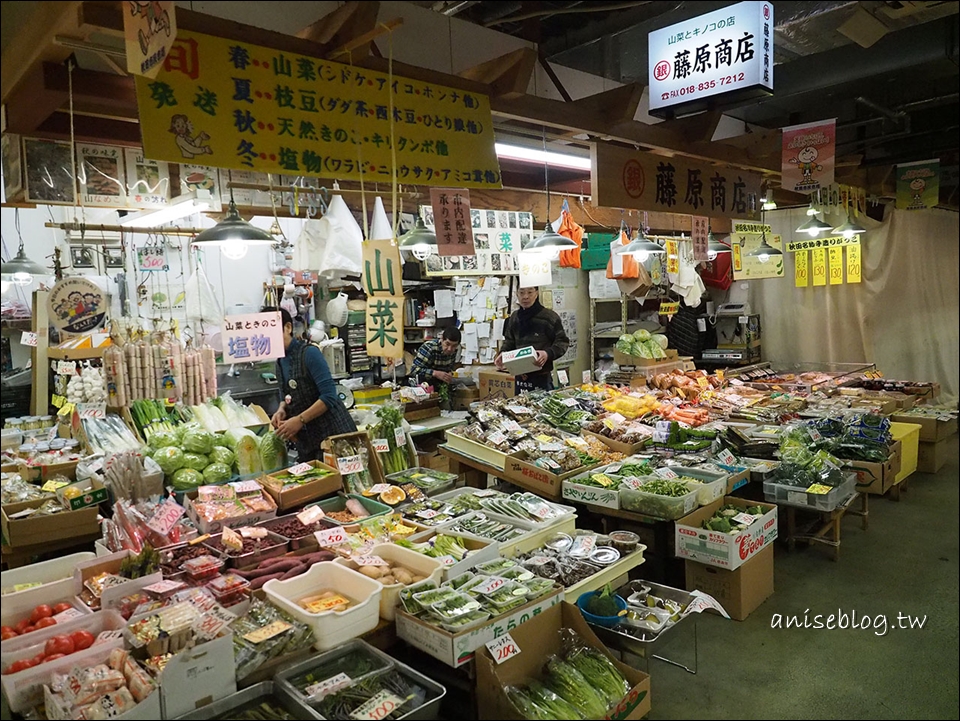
x=381, y=445
x=491, y=585
x=350, y=464
x=331, y=536
x=309, y=516
x=300, y=469
x=503, y=648
x=166, y=516
x=331, y=685
x=378, y=707
x=152, y=258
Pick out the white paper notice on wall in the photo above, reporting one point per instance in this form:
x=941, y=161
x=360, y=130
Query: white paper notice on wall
x=443, y=299
x=497, y=334
x=616, y=258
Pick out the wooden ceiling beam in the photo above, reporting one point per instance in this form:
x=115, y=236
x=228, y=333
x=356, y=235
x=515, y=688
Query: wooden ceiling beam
x=87, y=129
x=618, y=105
x=34, y=42
x=32, y=102
x=508, y=75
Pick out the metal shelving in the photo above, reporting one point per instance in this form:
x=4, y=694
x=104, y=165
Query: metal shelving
x=608, y=334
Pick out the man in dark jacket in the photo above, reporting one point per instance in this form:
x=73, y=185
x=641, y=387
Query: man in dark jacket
x=534, y=325
x=310, y=408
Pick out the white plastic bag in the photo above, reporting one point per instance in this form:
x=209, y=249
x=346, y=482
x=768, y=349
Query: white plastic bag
x=200, y=302
x=332, y=245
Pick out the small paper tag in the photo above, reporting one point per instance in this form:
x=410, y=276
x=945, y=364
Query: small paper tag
x=484, y=492
x=350, y=464
x=211, y=623
x=267, y=632
x=736, y=382
x=632, y=483
x=379, y=488
x=814, y=434
x=399, y=436
x=744, y=518
x=726, y=457
x=378, y=708
x=563, y=378
x=548, y=447
x=309, y=516
x=300, y=469
x=666, y=473
x=427, y=513
x=231, y=539
x=702, y=381
x=66, y=368
x=70, y=613
x=419, y=392
x=107, y=636
x=52, y=486
x=519, y=410
x=496, y=438
x=29, y=339
x=253, y=532
x=381, y=445
x=510, y=425
x=165, y=586
x=317, y=691
x=503, y=648
x=585, y=377
x=617, y=418
x=819, y=489
x=325, y=604
x=246, y=487
x=490, y=585
x=215, y=493
x=571, y=402
x=447, y=561
x=331, y=536
x=112, y=581
x=371, y=561
x=613, y=468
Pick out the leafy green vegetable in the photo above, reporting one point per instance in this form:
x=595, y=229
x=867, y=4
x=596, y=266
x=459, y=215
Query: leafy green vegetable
x=219, y=454
x=245, y=444
x=197, y=441
x=170, y=459
x=186, y=479
x=568, y=683
x=163, y=439
x=600, y=673
x=217, y=473
x=273, y=452
x=196, y=461
x=554, y=704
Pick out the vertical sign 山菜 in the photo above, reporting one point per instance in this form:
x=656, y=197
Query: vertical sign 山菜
x=809, y=154
x=801, y=268
x=382, y=281
x=700, y=230
x=854, y=264
x=149, y=31
x=725, y=51
x=918, y=185
x=818, y=261
x=252, y=337
x=452, y=221
x=836, y=266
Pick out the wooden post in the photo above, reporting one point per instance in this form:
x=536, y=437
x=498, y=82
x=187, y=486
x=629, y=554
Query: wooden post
x=40, y=370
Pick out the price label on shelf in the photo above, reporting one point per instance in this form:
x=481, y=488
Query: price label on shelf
x=378, y=707
x=665, y=473
x=490, y=585
x=547, y=447
x=331, y=536
x=165, y=586
x=309, y=516
x=519, y=410
x=92, y=410
x=29, y=339
x=399, y=436
x=69, y=614
x=447, y=561
x=267, y=632
x=317, y=691
x=211, y=623
x=543, y=511
x=253, y=532
x=563, y=378
x=246, y=487
x=726, y=457
x=66, y=368
x=585, y=377
x=300, y=469
x=106, y=636
x=381, y=445
x=510, y=425
x=427, y=513
x=166, y=516
x=814, y=434
x=213, y=493
x=379, y=488
x=350, y=464
x=496, y=438
x=632, y=483
x=371, y=561
x=231, y=539
x=503, y=648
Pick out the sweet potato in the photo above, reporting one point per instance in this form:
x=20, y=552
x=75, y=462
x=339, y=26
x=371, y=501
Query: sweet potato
x=295, y=571
x=258, y=582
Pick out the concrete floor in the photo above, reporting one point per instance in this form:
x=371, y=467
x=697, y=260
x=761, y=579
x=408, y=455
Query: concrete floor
x=907, y=561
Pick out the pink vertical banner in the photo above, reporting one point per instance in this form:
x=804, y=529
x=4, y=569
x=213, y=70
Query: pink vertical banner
x=809, y=155
x=451, y=221
x=699, y=230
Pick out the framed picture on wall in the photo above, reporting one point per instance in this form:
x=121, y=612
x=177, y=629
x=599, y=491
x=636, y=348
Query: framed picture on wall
x=102, y=174
x=12, y=166
x=49, y=175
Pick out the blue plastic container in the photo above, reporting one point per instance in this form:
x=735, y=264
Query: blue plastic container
x=608, y=621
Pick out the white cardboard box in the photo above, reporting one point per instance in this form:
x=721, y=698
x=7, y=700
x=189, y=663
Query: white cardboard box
x=724, y=550
x=520, y=361
x=200, y=676
x=458, y=649
x=591, y=495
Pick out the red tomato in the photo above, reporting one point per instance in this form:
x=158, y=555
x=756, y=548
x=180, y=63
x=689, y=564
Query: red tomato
x=53, y=657
x=4, y=629
x=82, y=639
x=7, y=634
x=60, y=643
x=41, y=611
x=20, y=626
x=45, y=622
x=29, y=629
x=18, y=666
x=61, y=607
x=38, y=659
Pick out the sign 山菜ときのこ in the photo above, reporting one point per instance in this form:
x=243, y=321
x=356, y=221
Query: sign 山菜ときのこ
x=252, y=337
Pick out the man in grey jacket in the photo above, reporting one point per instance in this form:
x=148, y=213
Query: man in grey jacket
x=534, y=325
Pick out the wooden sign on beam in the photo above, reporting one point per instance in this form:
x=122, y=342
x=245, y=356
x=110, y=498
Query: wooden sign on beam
x=625, y=178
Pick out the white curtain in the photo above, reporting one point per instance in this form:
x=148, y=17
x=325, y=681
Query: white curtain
x=904, y=315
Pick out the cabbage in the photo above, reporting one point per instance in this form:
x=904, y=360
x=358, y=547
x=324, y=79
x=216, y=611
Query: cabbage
x=273, y=452
x=186, y=479
x=217, y=473
x=220, y=441
x=661, y=340
x=223, y=455
x=197, y=441
x=642, y=335
x=246, y=446
x=195, y=460
x=170, y=459
x=163, y=439
x=655, y=350
x=624, y=346
x=643, y=350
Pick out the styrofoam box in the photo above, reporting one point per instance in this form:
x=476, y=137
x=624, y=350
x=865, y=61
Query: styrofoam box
x=714, y=484
x=111, y=597
x=30, y=645
x=25, y=689
x=330, y=628
x=17, y=605
x=422, y=565
x=669, y=508
x=198, y=676
x=44, y=572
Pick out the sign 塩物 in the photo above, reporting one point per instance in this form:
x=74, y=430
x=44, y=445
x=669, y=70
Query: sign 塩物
x=918, y=185
x=452, y=222
x=727, y=51
x=625, y=178
x=235, y=105
x=700, y=229
x=77, y=305
x=809, y=153
x=149, y=31
x=252, y=337
x=753, y=267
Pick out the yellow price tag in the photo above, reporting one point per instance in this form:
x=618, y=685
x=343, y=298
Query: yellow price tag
x=57, y=401
x=737, y=257
x=836, y=266
x=52, y=486
x=673, y=256
x=703, y=382
x=819, y=273
x=853, y=263
x=720, y=374
x=801, y=268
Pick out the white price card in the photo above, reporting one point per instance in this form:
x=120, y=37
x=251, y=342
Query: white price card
x=317, y=691
x=726, y=457
x=496, y=438
x=378, y=707
x=490, y=585
x=447, y=560
x=370, y=561
x=379, y=488
x=66, y=368
x=427, y=513
x=744, y=518
x=211, y=623
x=632, y=482
x=503, y=648
x=570, y=402
x=300, y=469
x=666, y=473
x=381, y=445
x=399, y=436
x=106, y=636
x=814, y=434
x=29, y=339
x=331, y=536
x=585, y=376
x=248, y=487
x=510, y=425
x=419, y=392
x=563, y=378
x=613, y=468
x=484, y=492
x=165, y=586
x=350, y=464
x=253, y=532
x=309, y=516
x=231, y=539
x=70, y=613
x=166, y=516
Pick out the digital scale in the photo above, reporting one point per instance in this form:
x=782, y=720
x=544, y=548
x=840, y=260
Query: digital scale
x=726, y=355
x=738, y=336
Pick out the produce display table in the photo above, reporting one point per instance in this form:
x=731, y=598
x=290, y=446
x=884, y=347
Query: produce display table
x=17, y=556
x=474, y=471
x=437, y=424
x=823, y=523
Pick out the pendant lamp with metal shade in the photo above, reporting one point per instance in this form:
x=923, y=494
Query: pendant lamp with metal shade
x=764, y=251
x=233, y=235
x=21, y=270
x=814, y=226
x=549, y=242
x=641, y=248
x=420, y=240
x=715, y=247
x=849, y=229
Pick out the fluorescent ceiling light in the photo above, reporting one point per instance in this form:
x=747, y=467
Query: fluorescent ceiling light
x=196, y=201
x=562, y=160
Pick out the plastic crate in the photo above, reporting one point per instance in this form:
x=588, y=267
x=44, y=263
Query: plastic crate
x=714, y=484
x=668, y=508
x=339, y=503
x=793, y=496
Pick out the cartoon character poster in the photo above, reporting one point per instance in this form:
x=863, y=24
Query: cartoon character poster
x=77, y=305
x=918, y=185
x=809, y=154
x=149, y=29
